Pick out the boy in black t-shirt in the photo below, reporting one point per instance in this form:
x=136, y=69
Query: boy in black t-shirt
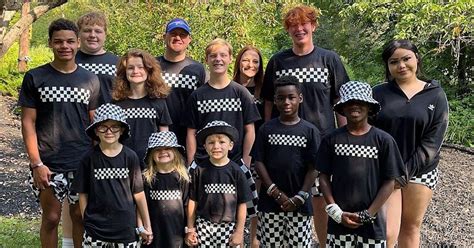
x=109, y=183
x=218, y=192
x=285, y=161
x=58, y=100
x=363, y=162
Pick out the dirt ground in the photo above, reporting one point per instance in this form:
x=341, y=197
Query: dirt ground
x=449, y=221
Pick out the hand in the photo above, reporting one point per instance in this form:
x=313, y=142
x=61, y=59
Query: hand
x=147, y=236
x=350, y=220
x=191, y=239
x=237, y=238
x=41, y=177
x=291, y=204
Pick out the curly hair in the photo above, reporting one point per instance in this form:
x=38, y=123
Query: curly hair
x=258, y=79
x=62, y=24
x=301, y=14
x=92, y=18
x=155, y=85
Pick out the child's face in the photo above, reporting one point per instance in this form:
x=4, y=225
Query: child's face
x=136, y=71
x=64, y=44
x=92, y=38
x=356, y=111
x=287, y=100
x=219, y=59
x=163, y=155
x=109, y=132
x=218, y=146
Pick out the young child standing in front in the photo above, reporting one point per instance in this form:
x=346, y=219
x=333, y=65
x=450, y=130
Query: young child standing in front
x=285, y=155
x=363, y=162
x=141, y=91
x=166, y=189
x=110, y=186
x=218, y=192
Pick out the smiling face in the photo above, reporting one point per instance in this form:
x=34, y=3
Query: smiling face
x=355, y=111
x=301, y=33
x=177, y=40
x=109, y=131
x=163, y=155
x=249, y=63
x=135, y=71
x=218, y=147
x=64, y=44
x=218, y=59
x=403, y=64
x=92, y=39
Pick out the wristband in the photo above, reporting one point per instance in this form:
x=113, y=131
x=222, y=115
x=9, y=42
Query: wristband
x=34, y=166
x=139, y=230
x=278, y=197
x=300, y=198
x=335, y=212
x=269, y=190
x=188, y=230
x=365, y=217
x=292, y=202
x=303, y=194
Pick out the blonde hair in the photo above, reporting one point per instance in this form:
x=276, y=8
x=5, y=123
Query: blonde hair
x=92, y=18
x=218, y=42
x=177, y=163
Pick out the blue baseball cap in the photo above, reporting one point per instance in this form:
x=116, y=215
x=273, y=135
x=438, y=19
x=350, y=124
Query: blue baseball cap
x=177, y=23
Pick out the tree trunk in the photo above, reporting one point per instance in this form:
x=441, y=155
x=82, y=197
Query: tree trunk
x=24, y=23
x=24, y=40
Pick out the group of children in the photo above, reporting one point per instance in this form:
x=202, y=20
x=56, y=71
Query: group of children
x=129, y=187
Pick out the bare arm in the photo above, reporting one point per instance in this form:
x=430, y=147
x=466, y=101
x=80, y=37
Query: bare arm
x=91, y=115
x=83, y=203
x=382, y=195
x=325, y=186
x=237, y=238
x=163, y=128
x=267, y=110
x=249, y=138
x=142, y=208
x=191, y=236
x=191, y=145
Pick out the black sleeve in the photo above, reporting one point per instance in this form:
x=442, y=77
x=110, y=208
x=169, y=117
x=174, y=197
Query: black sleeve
x=135, y=174
x=338, y=76
x=258, y=149
x=29, y=96
x=95, y=99
x=185, y=192
x=432, y=139
x=243, y=190
x=250, y=110
x=164, y=117
x=393, y=166
x=324, y=155
x=82, y=176
x=194, y=184
x=313, y=146
x=192, y=117
x=268, y=81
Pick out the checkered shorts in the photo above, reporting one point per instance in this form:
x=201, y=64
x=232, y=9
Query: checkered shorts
x=61, y=184
x=315, y=191
x=284, y=229
x=251, y=205
x=90, y=242
x=429, y=179
x=213, y=234
x=352, y=240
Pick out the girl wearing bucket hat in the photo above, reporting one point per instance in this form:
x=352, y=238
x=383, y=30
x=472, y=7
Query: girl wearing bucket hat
x=166, y=189
x=110, y=185
x=415, y=113
x=362, y=162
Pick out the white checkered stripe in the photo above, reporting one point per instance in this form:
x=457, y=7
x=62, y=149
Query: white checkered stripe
x=287, y=140
x=219, y=188
x=110, y=173
x=180, y=80
x=89, y=241
x=64, y=94
x=140, y=113
x=306, y=75
x=429, y=179
x=356, y=151
x=165, y=195
x=352, y=240
x=284, y=229
x=219, y=105
x=99, y=69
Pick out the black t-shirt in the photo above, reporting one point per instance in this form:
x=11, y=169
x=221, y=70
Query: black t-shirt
x=286, y=152
x=260, y=106
x=110, y=183
x=218, y=190
x=320, y=73
x=232, y=104
x=104, y=66
x=418, y=125
x=145, y=116
x=167, y=197
x=359, y=165
x=62, y=102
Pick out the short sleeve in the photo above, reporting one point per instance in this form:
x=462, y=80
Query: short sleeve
x=192, y=120
x=258, y=149
x=243, y=190
x=95, y=98
x=338, y=76
x=164, y=118
x=194, y=184
x=313, y=147
x=135, y=174
x=324, y=156
x=394, y=166
x=82, y=178
x=29, y=96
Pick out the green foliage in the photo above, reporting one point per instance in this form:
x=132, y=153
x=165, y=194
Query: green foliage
x=461, y=123
x=19, y=232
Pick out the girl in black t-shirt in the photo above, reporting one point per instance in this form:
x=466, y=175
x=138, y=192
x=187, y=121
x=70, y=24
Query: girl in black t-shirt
x=141, y=91
x=166, y=184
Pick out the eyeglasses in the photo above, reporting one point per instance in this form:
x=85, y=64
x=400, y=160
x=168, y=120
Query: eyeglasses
x=104, y=129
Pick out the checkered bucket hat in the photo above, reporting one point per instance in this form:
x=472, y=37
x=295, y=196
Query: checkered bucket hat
x=162, y=139
x=217, y=127
x=355, y=90
x=107, y=112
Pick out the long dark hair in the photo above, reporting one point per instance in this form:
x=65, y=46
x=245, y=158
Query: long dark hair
x=390, y=49
x=258, y=79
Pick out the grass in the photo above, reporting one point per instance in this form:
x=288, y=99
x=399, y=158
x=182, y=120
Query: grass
x=19, y=232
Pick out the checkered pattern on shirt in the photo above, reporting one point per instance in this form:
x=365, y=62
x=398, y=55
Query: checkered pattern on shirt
x=140, y=113
x=64, y=94
x=110, y=173
x=219, y=105
x=356, y=150
x=180, y=80
x=353, y=240
x=306, y=74
x=165, y=195
x=219, y=188
x=102, y=69
x=287, y=140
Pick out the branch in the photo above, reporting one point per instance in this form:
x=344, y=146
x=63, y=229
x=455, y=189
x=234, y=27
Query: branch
x=24, y=23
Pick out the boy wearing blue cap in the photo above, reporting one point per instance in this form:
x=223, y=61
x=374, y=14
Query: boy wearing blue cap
x=181, y=73
x=363, y=162
x=110, y=185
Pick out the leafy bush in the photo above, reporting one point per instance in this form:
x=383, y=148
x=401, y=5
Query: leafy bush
x=461, y=123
